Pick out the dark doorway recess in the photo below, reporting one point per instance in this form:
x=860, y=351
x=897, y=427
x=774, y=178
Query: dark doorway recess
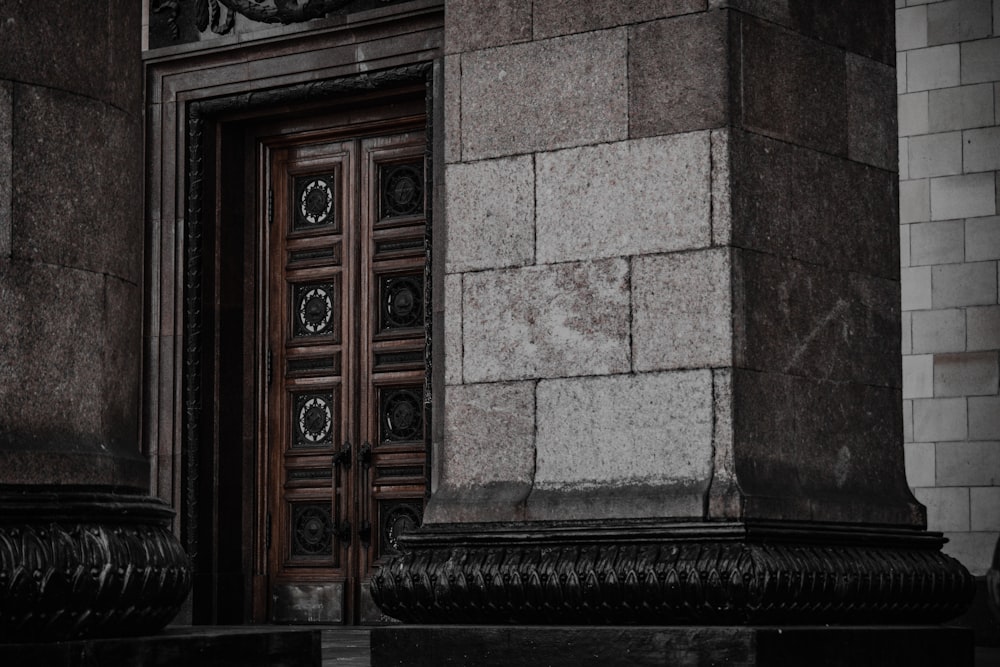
x=307, y=343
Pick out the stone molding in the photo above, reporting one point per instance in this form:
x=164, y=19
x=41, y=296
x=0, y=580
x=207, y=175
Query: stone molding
x=76, y=564
x=659, y=573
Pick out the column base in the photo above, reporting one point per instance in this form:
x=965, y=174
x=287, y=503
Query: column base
x=486, y=646
x=671, y=574
x=82, y=563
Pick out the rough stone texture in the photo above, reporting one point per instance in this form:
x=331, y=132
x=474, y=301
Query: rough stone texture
x=452, y=109
x=551, y=321
x=76, y=190
x=813, y=449
x=682, y=310
x=560, y=17
x=780, y=98
x=859, y=26
x=453, y=329
x=588, y=208
x=558, y=93
x=491, y=214
x=722, y=195
x=623, y=446
x=473, y=25
x=6, y=130
x=796, y=202
x=965, y=374
x=678, y=74
x=797, y=318
x=71, y=398
x=871, y=136
x=488, y=458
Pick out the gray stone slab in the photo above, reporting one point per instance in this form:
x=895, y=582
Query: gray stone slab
x=473, y=24
x=796, y=202
x=627, y=198
x=560, y=17
x=546, y=321
x=623, y=446
x=452, y=108
x=796, y=318
x=679, y=74
x=488, y=458
x=212, y=646
x=777, y=646
x=958, y=21
x=453, y=329
x=778, y=72
x=552, y=94
x=966, y=374
x=961, y=108
x=682, y=310
x=491, y=214
x=871, y=89
x=77, y=198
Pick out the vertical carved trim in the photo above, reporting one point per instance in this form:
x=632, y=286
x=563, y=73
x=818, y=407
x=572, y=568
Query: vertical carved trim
x=198, y=114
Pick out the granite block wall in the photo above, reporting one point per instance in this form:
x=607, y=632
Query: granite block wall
x=948, y=66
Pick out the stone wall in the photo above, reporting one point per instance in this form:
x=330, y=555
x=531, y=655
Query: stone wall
x=948, y=65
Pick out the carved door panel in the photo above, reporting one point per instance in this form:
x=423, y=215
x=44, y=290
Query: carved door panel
x=344, y=430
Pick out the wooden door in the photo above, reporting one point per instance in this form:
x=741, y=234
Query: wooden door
x=344, y=431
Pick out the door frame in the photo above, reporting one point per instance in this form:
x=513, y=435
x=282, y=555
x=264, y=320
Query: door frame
x=201, y=495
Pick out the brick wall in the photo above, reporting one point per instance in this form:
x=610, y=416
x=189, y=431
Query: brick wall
x=949, y=169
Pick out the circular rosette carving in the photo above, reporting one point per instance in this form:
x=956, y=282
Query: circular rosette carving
x=87, y=565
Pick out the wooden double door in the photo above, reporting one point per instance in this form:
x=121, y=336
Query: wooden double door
x=343, y=426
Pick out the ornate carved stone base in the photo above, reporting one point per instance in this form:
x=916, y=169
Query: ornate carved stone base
x=669, y=574
x=79, y=564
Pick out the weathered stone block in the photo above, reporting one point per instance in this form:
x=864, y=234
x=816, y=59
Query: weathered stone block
x=473, y=25
x=678, y=74
x=938, y=331
x=918, y=376
x=560, y=17
x=491, y=214
x=780, y=98
x=934, y=67
x=911, y=28
x=547, y=321
x=947, y=508
x=958, y=21
x=627, y=198
x=488, y=457
x=919, y=463
x=939, y=419
x=913, y=114
x=682, y=310
x=452, y=108
x=847, y=463
x=914, y=201
x=968, y=464
x=801, y=319
x=969, y=284
x=623, y=446
x=981, y=149
x=983, y=327
x=984, y=510
x=453, y=329
x=871, y=88
x=87, y=210
x=965, y=374
x=980, y=61
x=796, y=202
x=967, y=196
x=937, y=242
x=915, y=287
x=982, y=239
x=564, y=92
x=935, y=155
x=960, y=108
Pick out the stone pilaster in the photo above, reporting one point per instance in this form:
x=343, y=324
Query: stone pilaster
x=83, y=549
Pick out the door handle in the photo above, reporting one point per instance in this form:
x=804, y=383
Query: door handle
x=344, y=531
x=366, y=455
x=343, y=457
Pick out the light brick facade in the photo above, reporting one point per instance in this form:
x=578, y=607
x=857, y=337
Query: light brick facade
x=948, y=68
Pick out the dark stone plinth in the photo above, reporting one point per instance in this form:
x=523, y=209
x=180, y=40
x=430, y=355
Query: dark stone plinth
x=178, y=647
x=484, y=646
